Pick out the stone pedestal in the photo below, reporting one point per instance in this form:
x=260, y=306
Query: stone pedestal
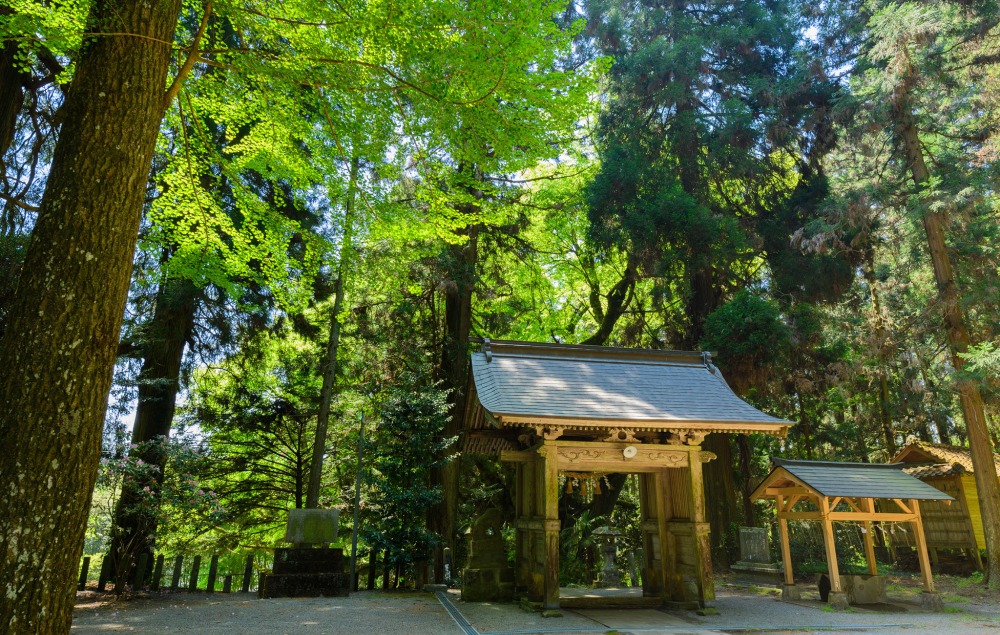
x=838, y=600
x=306, y=572
x=931, y=602
x=488, y=577
x=790, y=592
x=864, y=589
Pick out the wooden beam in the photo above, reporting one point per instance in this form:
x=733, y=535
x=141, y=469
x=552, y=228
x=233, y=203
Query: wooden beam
x=517, y=456
x=921, y=540
x=902, y=506
x=886, y=517
x=788, y=491
x=786, y=550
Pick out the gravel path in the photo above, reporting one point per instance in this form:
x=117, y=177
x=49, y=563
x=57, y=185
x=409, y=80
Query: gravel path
x=362, y=613
x=381, y=613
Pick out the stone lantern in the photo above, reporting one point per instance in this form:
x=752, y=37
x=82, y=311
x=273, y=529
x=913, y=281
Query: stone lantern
x=609, y=576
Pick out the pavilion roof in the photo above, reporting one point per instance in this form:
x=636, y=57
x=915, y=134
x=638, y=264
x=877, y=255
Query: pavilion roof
x=923, y=453
x=849, y=480
x=526, y=383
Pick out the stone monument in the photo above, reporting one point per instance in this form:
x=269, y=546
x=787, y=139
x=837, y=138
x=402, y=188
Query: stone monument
x=488, y=577
x=609, y=576
x=755, y=555
x=310, y=568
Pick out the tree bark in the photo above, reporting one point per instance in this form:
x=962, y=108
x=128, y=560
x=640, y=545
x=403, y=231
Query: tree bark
x=333, y=344
x=454, y=372
x=164, y=339
x=59, y=348
x=12, y=81
x=980, y=444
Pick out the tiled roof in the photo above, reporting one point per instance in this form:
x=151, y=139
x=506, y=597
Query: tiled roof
x=924, y=452
x=931, y=470
x=595, y=383
x=859, y=480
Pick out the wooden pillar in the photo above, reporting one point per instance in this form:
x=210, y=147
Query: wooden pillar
x=550, y=495
x=652, y=584
x=830, y=545
x=786, y=550
x=869, y=506
x=921, y=540
x=667, y=570
x=702, y=535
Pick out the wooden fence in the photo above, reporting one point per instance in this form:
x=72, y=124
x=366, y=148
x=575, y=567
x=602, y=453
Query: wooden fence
x=187, y=573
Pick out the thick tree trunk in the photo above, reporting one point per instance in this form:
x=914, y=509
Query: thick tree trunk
x=454, y=369
x=12, y=81
x=164, y=339
x=980, y=444
x=59, y=348
x=333, y=344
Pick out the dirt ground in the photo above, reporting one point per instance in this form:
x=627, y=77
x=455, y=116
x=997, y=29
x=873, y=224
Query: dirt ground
x=742, y=607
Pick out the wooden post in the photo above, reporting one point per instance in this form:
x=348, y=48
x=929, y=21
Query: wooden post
x=385, y=570
x=140, y=571
x=83, y=573
x=786, y=550
x=175, y=581
x=227, y=583
x=702, y=535
x=213, y=573
x=921, y=540
x=193, y=580
x=372, y=573
x=247, y=574
x=830, y=545
x=157, y=573
x=870, y=539
x=102, y=580
x=550, y=467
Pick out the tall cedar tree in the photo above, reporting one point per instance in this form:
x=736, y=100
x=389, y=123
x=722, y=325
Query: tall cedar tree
x=700, y=138
x=59, y=347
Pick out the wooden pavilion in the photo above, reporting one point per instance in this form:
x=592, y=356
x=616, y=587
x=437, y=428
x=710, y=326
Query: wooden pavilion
x=829, y=492
x=949, y=469
x=551, y=409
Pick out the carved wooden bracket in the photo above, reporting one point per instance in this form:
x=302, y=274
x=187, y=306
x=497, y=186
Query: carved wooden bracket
x=549, y=433
x=625, y=435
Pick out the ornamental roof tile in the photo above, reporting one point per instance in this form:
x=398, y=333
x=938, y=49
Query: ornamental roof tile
x=855, y=480
x=595, y=383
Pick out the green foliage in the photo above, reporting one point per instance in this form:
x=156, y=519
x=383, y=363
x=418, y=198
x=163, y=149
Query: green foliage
x=750, y=337
x=404, y=447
